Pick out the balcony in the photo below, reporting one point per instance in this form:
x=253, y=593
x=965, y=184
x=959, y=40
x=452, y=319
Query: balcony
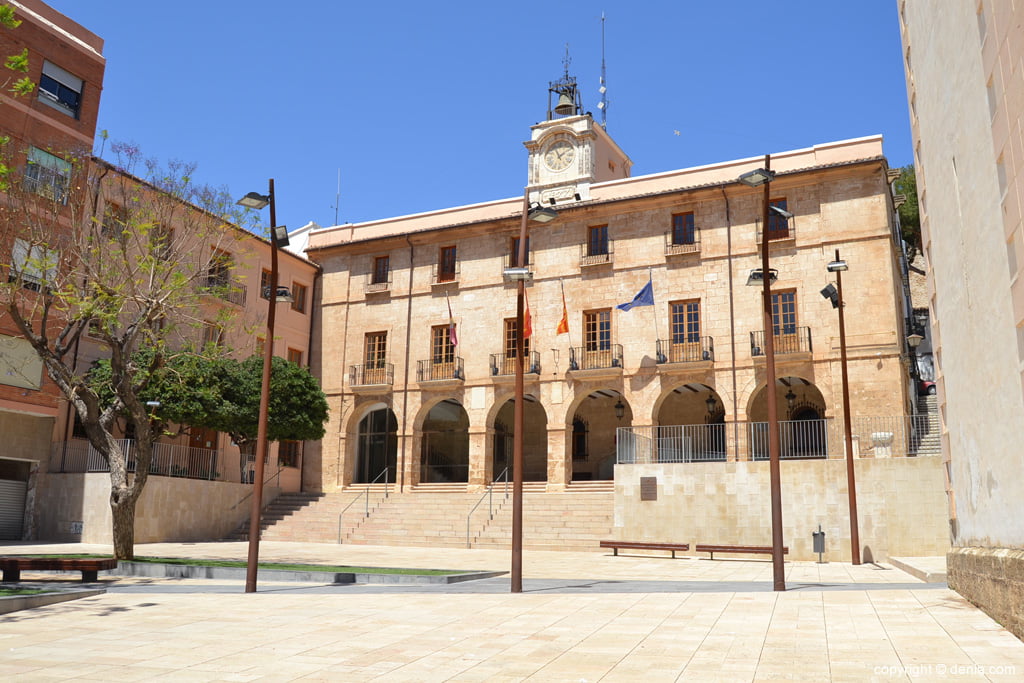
x=168, y=460
x=377, y=282
x=503, y=365
x=444, y=276
x=596, y=253
x=443, y=373
x=671, y=355
x=371, y=378
x=223, y=288
x=682, y=244
x=601, y=362
x=798, y=341
x=784, y=236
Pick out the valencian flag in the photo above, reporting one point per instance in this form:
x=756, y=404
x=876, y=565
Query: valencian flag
x=645, y=297
x=563, y=324
x=451, y=323
x=527, y=322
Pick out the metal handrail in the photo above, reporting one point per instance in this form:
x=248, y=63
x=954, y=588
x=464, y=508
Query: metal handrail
x=265, y=482
x=365, y=492
x=489, y=495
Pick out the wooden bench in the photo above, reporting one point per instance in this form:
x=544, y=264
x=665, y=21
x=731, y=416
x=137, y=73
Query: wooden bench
x=643, y=545
x=748, y=549
x=89, y=567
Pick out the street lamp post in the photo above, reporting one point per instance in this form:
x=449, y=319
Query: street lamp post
x=278, y=237
x=764, y=178
x=837, y=267
x=520, y=274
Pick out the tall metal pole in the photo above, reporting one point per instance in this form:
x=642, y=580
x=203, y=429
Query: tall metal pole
x=517, y=415
x=851, y=482
x=261, y=430
x=778, y=569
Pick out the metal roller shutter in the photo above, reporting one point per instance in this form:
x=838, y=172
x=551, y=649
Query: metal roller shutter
x=12, y=508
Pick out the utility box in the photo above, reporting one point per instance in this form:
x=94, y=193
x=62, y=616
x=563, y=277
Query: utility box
x=819, y=543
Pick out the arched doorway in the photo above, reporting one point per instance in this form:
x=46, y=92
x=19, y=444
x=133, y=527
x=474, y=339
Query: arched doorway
x=592, y=434
x=535, y=440
x=691, y=425
x=444, y=450
x=377, y=447
x=803, y=425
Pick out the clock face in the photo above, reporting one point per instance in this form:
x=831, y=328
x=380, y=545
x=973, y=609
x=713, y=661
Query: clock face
x=559, y=155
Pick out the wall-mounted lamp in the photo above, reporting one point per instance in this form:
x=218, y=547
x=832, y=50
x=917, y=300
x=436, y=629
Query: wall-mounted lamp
x=711, y=403
x=620, y=409
x=756, y=277
x=790, y=399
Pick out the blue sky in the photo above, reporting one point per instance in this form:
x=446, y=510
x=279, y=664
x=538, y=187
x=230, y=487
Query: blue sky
x=426, y=105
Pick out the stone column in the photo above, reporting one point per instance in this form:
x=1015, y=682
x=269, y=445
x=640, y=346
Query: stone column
x=559, y=459
x=479, y=462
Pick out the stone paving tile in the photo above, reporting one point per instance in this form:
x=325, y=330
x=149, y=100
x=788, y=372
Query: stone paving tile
x=730, y=626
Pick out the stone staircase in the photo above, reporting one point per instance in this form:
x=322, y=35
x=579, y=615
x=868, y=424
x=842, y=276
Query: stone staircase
x=930, y=442
x=434, y=515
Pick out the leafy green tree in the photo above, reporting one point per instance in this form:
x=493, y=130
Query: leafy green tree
x=89, y=246
x=910, y=218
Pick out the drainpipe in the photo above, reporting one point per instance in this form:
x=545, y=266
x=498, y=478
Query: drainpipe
x=732, y=328
x=405, y=381
x=309, y=358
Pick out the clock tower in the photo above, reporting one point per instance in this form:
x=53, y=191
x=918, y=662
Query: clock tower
x=569, y=151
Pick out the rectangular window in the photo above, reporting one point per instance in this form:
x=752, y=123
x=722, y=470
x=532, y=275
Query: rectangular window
x=265, y=278
x=34, y=265
x=298, y=297
x=684, y=321
x=683, y=230
x=446, y=264
x=597, y=330
x=597, y=240
x=442, y=350
x=784, y=312
x=381, y=270
x=219, y=274
x=376, y=349
x=115, y=221
x=513, y=258
x=510, y=339
x=778, y=226
x=60, y=90
x=288, y=453
x=212, y=334
x=47, y=175
x=160, y=239
x=295, y=356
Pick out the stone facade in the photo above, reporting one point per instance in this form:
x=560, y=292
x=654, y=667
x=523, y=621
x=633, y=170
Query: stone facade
x=455, y=427
x=966, y=92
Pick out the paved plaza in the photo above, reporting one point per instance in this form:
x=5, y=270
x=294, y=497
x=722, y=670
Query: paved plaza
x=581, y=617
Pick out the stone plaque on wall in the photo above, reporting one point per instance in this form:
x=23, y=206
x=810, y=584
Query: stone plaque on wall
x=648, y=488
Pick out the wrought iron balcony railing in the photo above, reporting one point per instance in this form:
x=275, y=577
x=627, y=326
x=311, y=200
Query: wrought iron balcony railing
x=371, y=374
x=505, y=363
x=682, y=244
x=228, y=289
x=668, y=351
x=796, y=340
x=585, y=358
x=433, y=371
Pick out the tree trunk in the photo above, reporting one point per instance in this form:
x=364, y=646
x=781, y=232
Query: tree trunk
x=122, y=509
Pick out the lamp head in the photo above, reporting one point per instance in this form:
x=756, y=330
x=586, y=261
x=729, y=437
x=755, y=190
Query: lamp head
x=518, y=275
x=837, y=267
x=620, y=409
x=757, y=177
x=280, y=235
x=756, y=277
x=541, y=214
x=914, y=340
x=832, y=294
x=779, y=211
x=254, y=200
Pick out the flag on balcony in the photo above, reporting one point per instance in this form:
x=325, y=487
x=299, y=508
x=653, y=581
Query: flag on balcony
x=527, y=322
x=563, y=324
x=645, y=297
x=451, y=323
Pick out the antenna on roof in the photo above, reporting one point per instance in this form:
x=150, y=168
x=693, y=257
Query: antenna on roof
x=337, y=198
x=603, y=104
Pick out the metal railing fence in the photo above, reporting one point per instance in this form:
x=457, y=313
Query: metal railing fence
x=169, y=460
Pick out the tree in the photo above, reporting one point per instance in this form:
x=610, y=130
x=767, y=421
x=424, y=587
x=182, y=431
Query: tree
x=910, y=219
x=88, y=246
x=209, y=390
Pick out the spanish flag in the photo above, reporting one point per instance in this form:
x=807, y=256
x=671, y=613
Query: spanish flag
x=527, y=322
x=563, y=324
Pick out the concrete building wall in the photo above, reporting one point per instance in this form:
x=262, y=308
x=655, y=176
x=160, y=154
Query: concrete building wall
x=966, y=95
x=900, y=505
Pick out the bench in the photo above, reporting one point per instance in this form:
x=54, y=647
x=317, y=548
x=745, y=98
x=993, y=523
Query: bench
x=643, y=545
x=89, y=567
x=748, y=549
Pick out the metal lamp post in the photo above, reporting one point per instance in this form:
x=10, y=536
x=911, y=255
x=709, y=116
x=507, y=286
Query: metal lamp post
x=837, y=267
x=278, y=238
x=520, y=274
x=763, y=177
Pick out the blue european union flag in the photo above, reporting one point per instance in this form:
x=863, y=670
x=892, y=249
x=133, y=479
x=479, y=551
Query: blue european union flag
x=645, y=297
